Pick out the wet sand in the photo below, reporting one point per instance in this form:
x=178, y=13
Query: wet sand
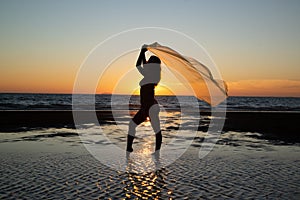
x=46, y=165
x=42, y=156
x=272, y=125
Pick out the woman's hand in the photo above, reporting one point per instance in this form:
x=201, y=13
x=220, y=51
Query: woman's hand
x=142, y=59
x=144, y=48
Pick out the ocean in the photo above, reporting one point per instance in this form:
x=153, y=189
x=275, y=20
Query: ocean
x=25, y=101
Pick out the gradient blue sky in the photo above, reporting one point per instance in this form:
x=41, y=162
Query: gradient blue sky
x=252, y=42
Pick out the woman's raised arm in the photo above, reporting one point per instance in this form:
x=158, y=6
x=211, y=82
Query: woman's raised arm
x=141, y=60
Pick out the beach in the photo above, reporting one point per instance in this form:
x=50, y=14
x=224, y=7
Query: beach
x=46, y=164
x=43, y=157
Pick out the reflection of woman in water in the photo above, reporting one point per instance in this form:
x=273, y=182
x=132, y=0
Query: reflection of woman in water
x=149, y=107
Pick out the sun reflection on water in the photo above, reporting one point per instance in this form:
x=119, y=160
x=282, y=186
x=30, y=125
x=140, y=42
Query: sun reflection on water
x=146, y=186
x=147, y=122
x=142, y=183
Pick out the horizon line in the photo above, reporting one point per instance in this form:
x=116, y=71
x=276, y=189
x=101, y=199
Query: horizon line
x=139, y=95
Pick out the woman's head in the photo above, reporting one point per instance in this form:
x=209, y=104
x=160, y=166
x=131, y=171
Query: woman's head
x=154, y=59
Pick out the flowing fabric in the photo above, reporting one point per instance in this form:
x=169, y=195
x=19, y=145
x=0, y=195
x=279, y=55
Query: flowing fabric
x=193, y=74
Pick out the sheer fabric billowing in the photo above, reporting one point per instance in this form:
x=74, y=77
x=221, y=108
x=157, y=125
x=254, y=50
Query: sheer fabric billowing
x=193, y=74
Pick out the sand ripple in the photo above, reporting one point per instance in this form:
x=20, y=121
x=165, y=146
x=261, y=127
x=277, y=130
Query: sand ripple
x=223, y=174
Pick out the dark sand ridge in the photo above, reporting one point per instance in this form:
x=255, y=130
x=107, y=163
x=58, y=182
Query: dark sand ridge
x=272, y=125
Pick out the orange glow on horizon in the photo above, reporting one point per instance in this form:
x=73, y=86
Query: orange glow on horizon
x=279, y=88
x=123, y=78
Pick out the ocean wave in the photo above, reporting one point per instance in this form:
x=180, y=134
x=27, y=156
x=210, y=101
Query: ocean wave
x=103, y=102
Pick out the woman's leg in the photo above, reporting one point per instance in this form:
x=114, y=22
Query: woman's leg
x=155, y=123
x=134, y=122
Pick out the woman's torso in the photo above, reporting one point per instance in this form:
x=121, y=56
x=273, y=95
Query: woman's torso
x=147, y=95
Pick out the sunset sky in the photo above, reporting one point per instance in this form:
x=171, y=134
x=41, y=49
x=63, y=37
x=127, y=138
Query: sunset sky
x=255, y=44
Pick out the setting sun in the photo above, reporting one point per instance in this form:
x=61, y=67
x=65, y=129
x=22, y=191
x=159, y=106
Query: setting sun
x=159, y=90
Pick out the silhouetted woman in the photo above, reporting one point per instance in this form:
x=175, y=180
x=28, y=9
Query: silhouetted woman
x=149, y=107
